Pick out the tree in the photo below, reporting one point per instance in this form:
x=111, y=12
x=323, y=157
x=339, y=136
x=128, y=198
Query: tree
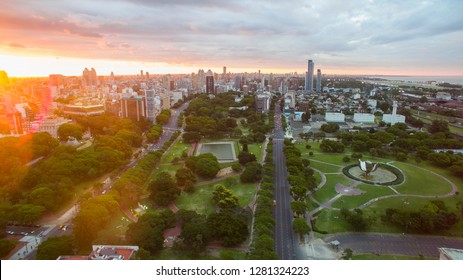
x=347, y=254
x=191, y=137
x=245, y=157
x=69, y=130
x=195, y=235
x=54, y=247
x=401, y=156
x=305, y=162
x=163, y=189
x=43, y=196
x=252, y=173
x=27, y=214
x=147, y=231
x=224, y=198
x=207, y=166
x=305, y=117
x=330, y=127
x=236, y=167
x=183, y=175
x=300, y=226
x=228, y=228
x=299, y=207
x=329, y=146
x=6, y=246
x=438, y=126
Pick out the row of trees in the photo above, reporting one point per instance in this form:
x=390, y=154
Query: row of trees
x=302, y=181
x=263, y=244
x=431, y=218
x=163, y=117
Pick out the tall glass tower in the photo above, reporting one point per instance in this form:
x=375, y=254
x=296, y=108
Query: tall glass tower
x=309, y=77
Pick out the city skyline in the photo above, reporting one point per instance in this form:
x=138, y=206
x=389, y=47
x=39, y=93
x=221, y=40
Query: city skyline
x=358, y=37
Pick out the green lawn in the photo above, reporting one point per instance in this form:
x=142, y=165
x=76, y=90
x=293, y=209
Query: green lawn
x=328, y=190
x=419, y=181
x=370, y=192
x=315, y=147
x=256, y=149
x=167, y=168
x=318, y=178
x=175, y=151
x=200, y=199
x=325, y=168
x=331, y=221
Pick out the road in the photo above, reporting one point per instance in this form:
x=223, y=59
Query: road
x=55, y=227
x=395, y=244
x=286, y=241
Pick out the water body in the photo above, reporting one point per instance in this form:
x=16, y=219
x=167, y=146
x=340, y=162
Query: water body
x=418, y=79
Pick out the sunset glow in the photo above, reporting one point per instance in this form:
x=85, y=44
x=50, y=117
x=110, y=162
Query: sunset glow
x=182, y=37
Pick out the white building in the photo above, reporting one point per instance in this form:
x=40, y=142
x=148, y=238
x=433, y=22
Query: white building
x=394, y=117
x=364, y=118
x=372, y=103
x=335, y=117
x=51, y=125
x=388, y=118
x=151, y=110
x=176, y=96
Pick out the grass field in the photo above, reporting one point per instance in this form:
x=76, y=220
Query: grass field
x=325, y=168
x=200, y=199
x=256, y=149
x=419, y=181
x=175, y=151
x=331, y=221
x=370, y=192
x=328, y=190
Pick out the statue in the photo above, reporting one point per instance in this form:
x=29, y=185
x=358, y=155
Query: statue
x=367, y=167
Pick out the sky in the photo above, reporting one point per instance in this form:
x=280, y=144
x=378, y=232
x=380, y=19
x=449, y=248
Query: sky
x=390, y=37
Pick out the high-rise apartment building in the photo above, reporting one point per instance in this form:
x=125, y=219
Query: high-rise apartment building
x=150, y=99
x=89, y=77
x=319, y=80
x=133, y=107
x=210, y=82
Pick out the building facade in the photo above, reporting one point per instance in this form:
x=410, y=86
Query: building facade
x=334, y=117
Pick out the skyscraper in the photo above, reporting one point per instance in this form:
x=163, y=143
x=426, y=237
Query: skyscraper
x=89, y=77
x=319, y=80
x=209, y=82
x=150, y=97
x=309, y=76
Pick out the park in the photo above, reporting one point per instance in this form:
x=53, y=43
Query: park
x=398, y=185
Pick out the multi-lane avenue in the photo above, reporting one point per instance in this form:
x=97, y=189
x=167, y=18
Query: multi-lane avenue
x=286, y=241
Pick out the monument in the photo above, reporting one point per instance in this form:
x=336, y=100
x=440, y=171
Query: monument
x=367, y=167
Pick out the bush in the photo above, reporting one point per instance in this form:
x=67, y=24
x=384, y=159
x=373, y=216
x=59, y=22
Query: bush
x=356, y=155
x=236, y=167
x=346, y=159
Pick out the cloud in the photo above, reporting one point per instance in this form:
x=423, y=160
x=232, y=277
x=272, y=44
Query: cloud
x=16, y=45
x=251, y=33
